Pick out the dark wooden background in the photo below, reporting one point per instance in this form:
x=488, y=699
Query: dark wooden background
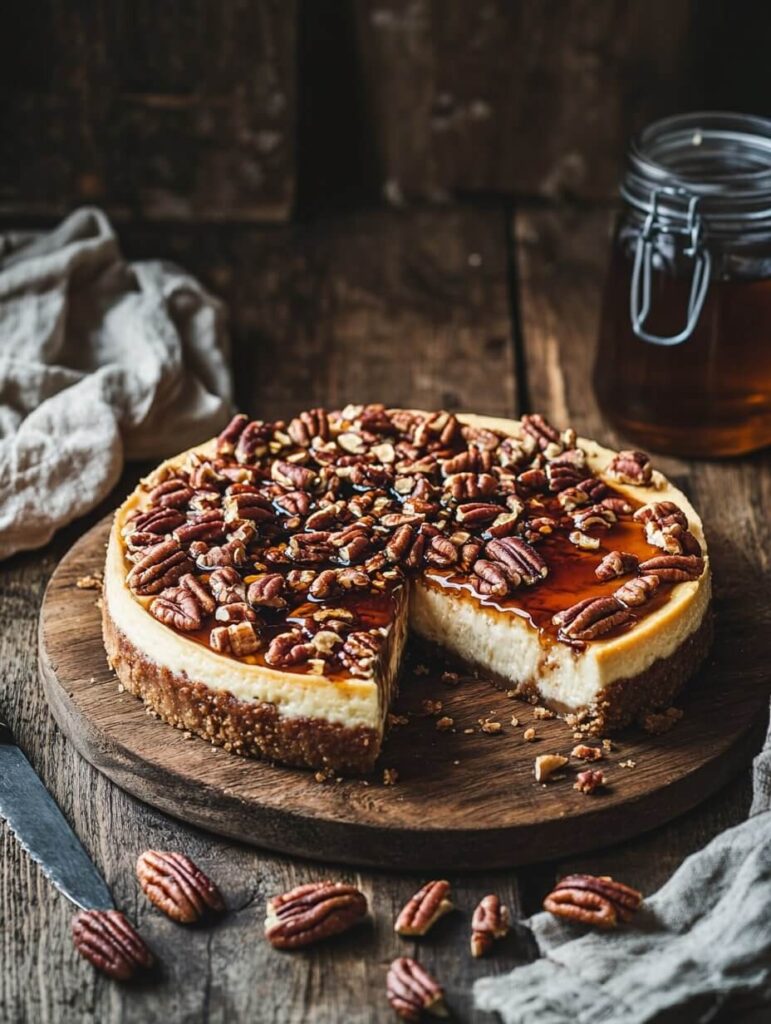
x=400, y=200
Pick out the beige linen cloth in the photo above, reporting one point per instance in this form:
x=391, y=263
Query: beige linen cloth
x=101, y=360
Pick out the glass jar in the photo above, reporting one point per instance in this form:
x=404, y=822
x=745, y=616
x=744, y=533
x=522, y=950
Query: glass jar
x=683, y=361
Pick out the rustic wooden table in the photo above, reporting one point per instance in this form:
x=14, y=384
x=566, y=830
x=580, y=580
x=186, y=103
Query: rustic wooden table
x=485, y=309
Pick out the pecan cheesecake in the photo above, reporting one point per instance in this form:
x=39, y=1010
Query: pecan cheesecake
x=259, y=588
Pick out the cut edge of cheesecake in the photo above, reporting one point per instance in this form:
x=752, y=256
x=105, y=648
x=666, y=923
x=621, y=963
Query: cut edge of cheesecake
x=319, y=722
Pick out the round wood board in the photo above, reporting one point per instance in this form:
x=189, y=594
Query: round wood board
x=463, y=799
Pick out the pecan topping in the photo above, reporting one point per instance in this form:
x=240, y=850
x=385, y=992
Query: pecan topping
x=226, y=442
x=200, y=592
x=637, y=590
x=477, y=513
x=666, y=527
x=172, y=493
x=226, y=585
x=309, y=425
x=596, y=517
x=359, y=652
x=519, y=557
x=411, y=990
x=313, y=912
x=489, y=922
x=542, y=432
x=598, y=901
x=236, y=611
x=423, y=910
x=177, y=607
x=674, y=568
x=160, y=567
x=592, y=617
x=288, y=649
x=589, y=781
x=630, y=467
x=174, y=884
x=292, y=475
x=156, y=521
x=238, y=639
x=495, y=578
x=441, y=552
x=267, y=591
x=110, y=943
x=615, y=563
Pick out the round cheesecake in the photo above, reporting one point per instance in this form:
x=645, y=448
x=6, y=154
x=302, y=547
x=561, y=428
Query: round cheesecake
x=260, y=588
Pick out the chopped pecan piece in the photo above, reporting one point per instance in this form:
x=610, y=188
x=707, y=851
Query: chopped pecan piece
x=587, y=753
x=359, y=652
x=253, y=442
x=248, y=506
x=490, y=921
x=160, y=567
x=177, y=886
x=226, y=585
x=598, y=901
x=532, y=481
x=313, y=912
x=666, y=527
x=110, y=943
x=631, y=467
x=589, y=781
x=637, y=591
x=592, y=617
x=596, y=517
x=423, y=910
x=616, y=563
x=411, y=990
x=674, y=568
x=236, y=611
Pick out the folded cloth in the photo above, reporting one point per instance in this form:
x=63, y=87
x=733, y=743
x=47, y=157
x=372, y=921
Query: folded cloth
x=100, y=360
x=699, y=949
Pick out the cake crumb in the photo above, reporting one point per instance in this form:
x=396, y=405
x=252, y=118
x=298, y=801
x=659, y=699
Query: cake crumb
x=514, y=720
x=587, y=753
x=390, y=776
x=607, y=746
x=468, y=731
x=92, y=581
x=657, y=723
x=489, y=726
x=629, y=763
x=544, y=714
x=431, y=707
x=511, y=693
x=450, y=678
x=396, y=720
x=445, y=723
x=529, y=734
x=456, y=762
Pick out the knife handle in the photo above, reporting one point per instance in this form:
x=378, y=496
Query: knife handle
x=6, y=736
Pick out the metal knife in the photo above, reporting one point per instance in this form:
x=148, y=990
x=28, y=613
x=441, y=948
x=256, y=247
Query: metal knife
x=43, y=831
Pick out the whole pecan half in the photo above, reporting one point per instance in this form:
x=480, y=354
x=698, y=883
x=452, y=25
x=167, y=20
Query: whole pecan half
x=313, y=912
x=288, y=649
x=309, y=425
x=615, y=563
x=441, y=552
x=490, y=921
x=226, y=585
x=631, y=467
x=637, y=591
x=592, y=617
x=157, y=521
x=177, y=607
x=110, y=943
x=253, y=442
x=421, y=912
x=477, y=513
x=177, y=886
x=588, y=899
x=495, y=578
x=359, y=652
x=674, y=568
x=172, y=493
x=518, y=556
x=160, y=567
x=267, y=591
x=411, y=990
x=542, y=432
x=226, y=442
x=292, y=475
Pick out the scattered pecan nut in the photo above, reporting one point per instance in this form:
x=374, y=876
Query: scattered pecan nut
x=412, y=991
x=598, y=901
x=110, y=943
x=589, y=781
x=423, y=910
x=177, y=886
x=490, y=922
x=313, y=912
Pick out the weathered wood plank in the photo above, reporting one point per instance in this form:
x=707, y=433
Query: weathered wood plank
x=175, y=111
x=372, y=307
x=561, y=256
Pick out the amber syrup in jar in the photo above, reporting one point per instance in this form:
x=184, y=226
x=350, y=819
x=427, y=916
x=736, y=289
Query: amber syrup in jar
x=683, y=359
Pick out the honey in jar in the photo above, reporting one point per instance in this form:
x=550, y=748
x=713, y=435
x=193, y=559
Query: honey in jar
x=683, y=361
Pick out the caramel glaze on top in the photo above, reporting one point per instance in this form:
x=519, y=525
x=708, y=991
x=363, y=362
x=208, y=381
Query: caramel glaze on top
x=571, y=570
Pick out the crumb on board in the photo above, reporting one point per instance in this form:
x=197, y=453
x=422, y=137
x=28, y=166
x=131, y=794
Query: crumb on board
x=544, y=714
x=529, y=734
x=390, y=776
x=431, y=707
x=514, y=720
x=490, y=726
x=420, y=670
x=629, y=763
x=450, y=678
x=445, y=723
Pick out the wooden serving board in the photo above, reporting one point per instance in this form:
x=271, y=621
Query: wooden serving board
x=464, y=799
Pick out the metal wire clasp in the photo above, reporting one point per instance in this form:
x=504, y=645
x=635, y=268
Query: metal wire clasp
x=640, y=294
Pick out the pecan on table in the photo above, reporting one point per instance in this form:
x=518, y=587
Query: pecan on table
x=313, y=912
x=177, y=607
x=519, y=557
x=177, y=886
x=588, y=899
x=412, y=991
x=592, y=617
x=614, y=564
x=110, y=943
x=589, y=781
x=631, y=467
x=160, y=567
x=490, y=921
x=674, y=568
x=423, y=910
x=637, y=591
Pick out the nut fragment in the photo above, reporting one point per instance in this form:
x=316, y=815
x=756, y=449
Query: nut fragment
x=313, y=912
x=587, y=753
x=589, y=781
x=411, y=990
x=110, y=943
x=588, y=899
x=547, y=764
x=489, y=922
x=423, y=910
x=616, y=563
x=631, y=467
x=177, y=886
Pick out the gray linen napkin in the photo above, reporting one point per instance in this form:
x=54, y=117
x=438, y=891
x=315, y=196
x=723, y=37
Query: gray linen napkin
x=100, y=360
x=699, y=950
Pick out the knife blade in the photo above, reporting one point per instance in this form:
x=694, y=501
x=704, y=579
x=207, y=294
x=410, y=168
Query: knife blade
x=43, y=831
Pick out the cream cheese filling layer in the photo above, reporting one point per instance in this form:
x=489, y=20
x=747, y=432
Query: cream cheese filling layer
x=506, y=645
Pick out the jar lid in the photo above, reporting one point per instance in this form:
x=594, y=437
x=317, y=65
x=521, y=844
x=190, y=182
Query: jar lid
x=722, y=160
